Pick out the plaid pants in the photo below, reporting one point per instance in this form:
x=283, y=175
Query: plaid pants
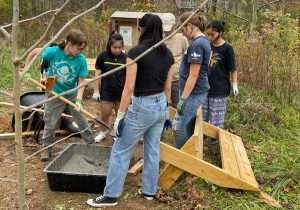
x=215, y=110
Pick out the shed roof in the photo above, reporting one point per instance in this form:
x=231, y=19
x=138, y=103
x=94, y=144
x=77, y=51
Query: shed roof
x=168, y=19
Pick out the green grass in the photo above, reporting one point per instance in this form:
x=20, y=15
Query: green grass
x=6, y=70
x=271, y=134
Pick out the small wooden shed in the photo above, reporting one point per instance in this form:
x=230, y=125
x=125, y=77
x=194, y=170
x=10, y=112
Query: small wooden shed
x=126, y=23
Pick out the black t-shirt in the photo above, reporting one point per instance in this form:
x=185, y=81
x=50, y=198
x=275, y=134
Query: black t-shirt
x=152, y=70
x=222, y=63
x=111, y=85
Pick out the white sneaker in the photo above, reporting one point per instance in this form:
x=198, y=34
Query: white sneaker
x=100, y=136
x=146, y=196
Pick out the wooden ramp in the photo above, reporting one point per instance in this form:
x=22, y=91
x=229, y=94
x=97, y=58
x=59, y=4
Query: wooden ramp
x=236, y=171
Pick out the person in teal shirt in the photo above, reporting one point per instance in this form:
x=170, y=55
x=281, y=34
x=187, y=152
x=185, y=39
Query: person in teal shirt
x=65, y=67
x=68, y=65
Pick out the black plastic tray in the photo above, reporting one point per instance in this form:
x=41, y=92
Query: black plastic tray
x=79, y=168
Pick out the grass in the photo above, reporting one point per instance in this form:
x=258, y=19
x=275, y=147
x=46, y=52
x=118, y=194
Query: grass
x=6, y=70
x=271, y=134
x=270, y=131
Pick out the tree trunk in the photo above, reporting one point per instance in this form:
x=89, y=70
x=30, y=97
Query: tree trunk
x=254, y=17
x=214, y=6
x=18, y=124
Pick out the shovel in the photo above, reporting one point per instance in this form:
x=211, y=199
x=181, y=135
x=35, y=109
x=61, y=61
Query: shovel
x=88, y=114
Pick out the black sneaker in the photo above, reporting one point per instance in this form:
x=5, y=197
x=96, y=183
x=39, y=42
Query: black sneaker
x=146, y=196
x=102, y=201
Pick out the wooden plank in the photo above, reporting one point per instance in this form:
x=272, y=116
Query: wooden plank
x=243, y=162
x=229, y=161
x=198, y=132
x=4, y=136
x=201, y=168
x=210, y=130
x=170, y=174
x=137, y=167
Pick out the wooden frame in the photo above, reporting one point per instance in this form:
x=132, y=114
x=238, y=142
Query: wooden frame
x=236, y=170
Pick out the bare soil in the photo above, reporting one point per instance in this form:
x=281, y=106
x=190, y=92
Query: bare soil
x=38, y=194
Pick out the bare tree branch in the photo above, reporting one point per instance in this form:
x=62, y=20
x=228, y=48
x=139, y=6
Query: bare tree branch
x=84, y=111
x=268, y=4
x=31, y=19
x=34, y=109
x=27, y=67
x=125, y=65
x=5, y=33
x=53, y=144
x=45, y=32
x=234, y=15
x=3, y=92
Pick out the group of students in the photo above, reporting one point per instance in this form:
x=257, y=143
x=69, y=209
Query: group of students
x=197, y=72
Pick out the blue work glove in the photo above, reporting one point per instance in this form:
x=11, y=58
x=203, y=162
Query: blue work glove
x=168, y=122
x=119, y=123
x=181, y=105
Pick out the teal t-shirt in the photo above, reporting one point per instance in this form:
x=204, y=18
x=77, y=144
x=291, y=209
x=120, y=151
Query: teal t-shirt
x=67, y=69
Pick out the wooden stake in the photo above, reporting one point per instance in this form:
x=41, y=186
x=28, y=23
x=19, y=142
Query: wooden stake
x=137, y=167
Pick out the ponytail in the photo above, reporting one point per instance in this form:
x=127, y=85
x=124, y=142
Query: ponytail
x=197, y=20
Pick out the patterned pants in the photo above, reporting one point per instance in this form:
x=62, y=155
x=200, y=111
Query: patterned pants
x=215, y=110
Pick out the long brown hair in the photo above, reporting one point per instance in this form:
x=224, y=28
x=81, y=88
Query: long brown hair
x=75, y=37
x=197, y=20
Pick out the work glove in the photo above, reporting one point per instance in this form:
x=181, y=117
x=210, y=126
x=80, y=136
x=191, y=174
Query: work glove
x=235, y=89
x=96, y=95
x=78, y=105
x=181, y=105
x=168, y=122
x=119, y=123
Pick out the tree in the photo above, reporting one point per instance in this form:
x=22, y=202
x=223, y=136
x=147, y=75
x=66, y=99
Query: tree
x=18, y=77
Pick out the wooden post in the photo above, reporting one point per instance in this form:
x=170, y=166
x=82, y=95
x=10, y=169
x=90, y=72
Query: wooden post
x=198, y=133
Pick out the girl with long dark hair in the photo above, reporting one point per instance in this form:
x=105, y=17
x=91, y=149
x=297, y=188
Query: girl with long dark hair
x=149, y=81
x=109, y=89
x=222, y=74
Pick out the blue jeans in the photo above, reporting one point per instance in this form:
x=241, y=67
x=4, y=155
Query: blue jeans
x=145, y=119
x=185, y=128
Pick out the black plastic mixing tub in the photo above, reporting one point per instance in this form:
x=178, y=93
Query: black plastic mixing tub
x=79, y=168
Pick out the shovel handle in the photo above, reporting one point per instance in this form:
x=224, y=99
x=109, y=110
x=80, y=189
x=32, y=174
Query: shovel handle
x=88, y=114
